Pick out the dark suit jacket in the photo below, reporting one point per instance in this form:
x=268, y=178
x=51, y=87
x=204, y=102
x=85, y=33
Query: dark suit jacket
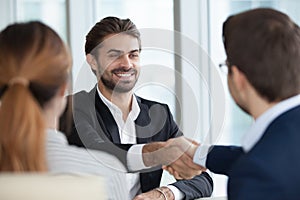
x=94, y=127
x=270, y=170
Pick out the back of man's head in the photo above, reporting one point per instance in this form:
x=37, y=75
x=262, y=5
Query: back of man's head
x=265, y=45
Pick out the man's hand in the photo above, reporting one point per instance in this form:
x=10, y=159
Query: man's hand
x=161, y=193
x=165, y=153
x=176, y=153
x=184, y=167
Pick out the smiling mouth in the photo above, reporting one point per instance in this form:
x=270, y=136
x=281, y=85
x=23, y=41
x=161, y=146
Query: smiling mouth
x=124, y=74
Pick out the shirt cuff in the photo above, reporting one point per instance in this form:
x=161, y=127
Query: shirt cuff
x=178, y=195
x=201, y=155
x=135, y=158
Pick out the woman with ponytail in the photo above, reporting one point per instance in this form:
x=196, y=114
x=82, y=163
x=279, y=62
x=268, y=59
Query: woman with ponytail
x=35, y=66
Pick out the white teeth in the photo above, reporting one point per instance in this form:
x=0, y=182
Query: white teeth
x=124, y=75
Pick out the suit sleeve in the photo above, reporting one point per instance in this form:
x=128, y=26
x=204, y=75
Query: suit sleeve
x=220, y=158
x=199, y=186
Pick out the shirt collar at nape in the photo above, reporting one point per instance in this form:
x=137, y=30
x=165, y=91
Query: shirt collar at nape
x=257, y=130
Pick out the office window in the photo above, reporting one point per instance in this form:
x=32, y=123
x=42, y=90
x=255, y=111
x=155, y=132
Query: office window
x=144, y=13
x=51, y=12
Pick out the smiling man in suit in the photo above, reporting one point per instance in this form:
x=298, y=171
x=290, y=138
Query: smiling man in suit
x=112, y=118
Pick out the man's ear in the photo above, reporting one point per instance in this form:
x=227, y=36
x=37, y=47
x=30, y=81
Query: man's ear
x=239, y=78
x=91, y=60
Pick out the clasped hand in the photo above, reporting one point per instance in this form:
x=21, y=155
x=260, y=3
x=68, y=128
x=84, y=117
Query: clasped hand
x=176, y=156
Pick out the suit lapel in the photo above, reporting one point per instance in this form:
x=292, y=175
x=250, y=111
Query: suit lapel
x=103, y=114
x=109, y=124
x=142, y=120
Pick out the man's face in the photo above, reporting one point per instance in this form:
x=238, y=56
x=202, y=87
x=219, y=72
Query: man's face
x=118, y=62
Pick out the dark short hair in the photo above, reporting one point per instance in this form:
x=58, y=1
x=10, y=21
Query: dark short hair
x=265, y=45
x=107, y=26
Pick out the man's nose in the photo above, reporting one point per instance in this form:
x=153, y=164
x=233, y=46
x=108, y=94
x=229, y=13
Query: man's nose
x=125, y=61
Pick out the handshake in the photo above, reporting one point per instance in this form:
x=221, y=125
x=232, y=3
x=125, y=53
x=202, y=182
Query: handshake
x=176, y=156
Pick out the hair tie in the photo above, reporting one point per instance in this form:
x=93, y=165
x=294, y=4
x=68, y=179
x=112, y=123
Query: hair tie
x=18, y=80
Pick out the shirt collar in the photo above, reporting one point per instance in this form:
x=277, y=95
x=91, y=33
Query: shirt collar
x=261, y=124
x=135, y=108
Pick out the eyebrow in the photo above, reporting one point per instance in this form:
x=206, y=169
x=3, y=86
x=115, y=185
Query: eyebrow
x=135, y=50
x=120, y=52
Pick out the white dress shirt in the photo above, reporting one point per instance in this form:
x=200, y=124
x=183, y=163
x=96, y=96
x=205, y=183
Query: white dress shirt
x=257, y=130
x=127, y=134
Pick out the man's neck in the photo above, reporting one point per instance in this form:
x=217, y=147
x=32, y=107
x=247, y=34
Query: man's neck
x=258, y=105
x=122, y=100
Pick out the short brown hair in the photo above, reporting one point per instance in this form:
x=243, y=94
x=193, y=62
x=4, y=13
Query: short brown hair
x=107, y=26
x=265, y=45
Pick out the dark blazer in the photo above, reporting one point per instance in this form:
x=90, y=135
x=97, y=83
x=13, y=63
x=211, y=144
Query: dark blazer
x=270, y=170
x=94, y=127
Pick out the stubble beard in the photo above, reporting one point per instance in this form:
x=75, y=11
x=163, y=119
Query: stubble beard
x=119, y=87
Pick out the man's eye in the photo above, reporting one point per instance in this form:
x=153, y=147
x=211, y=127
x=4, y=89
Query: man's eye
x=134, y=55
